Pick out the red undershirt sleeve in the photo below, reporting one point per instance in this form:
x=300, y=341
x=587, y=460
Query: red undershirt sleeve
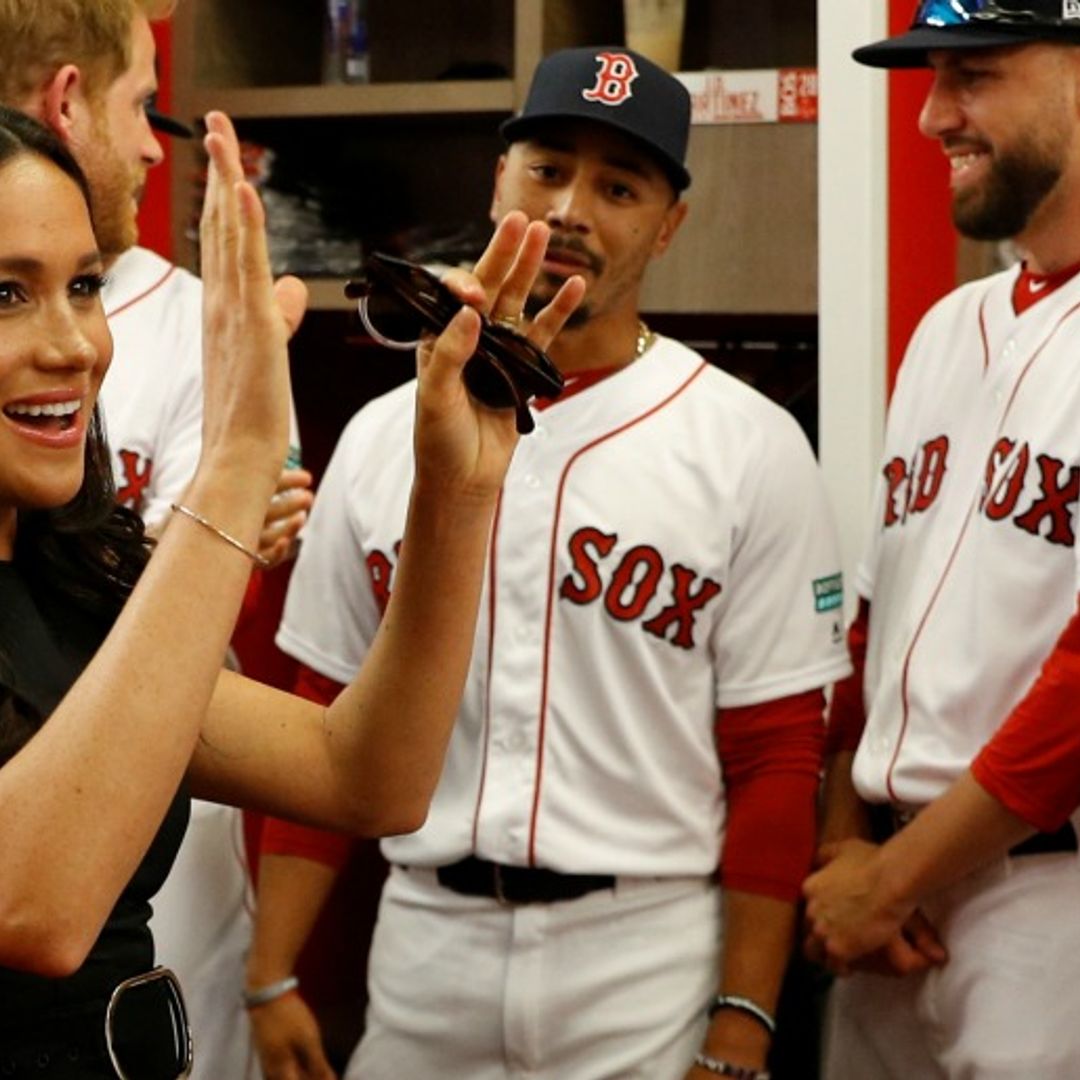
x=847, y=713
x=286, y=838
x=1032, y=764
x=771, y=758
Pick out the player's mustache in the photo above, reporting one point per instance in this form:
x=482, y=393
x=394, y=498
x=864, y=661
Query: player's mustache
x=571, y=245
x=965, y=143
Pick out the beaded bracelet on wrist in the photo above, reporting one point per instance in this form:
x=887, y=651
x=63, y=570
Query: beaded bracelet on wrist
x=725, y=1068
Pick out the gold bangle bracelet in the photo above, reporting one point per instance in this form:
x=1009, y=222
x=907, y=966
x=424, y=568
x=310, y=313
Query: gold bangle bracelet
x=254, y=556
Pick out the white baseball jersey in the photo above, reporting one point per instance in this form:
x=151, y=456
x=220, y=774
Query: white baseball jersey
x=972, y=572
x=662, y=547
x=152, y=396
x=152, y=401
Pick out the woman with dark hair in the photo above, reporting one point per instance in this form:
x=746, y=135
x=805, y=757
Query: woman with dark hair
x=114, y=709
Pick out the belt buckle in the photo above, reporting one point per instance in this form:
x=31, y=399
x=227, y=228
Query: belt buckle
x=124, y=1052
x=498, y=887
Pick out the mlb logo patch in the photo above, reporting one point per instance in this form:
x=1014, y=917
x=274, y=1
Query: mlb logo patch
x=1070, y=9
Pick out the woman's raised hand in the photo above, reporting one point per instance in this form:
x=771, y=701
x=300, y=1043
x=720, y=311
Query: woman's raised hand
x=247, y=319
x=461, y=444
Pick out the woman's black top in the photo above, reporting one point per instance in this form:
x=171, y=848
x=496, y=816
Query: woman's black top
x=44, y=646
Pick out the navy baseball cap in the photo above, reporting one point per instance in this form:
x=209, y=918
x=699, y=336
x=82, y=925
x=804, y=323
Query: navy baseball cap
x=974, y=24
x=619, y=88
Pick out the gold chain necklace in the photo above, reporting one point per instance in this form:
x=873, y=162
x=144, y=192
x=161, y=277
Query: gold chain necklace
x=645, y=338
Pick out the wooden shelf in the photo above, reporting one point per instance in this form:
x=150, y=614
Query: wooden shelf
x=371, y=99
x=416, y=147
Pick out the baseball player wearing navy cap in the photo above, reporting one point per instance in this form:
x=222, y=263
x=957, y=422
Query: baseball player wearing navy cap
x=962, y=726
x=645, y=698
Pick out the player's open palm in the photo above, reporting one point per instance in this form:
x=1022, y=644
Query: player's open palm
x=460, y=442
x=247, y=319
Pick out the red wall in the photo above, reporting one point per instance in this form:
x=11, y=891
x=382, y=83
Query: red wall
x=155, y=226
x=922, y=241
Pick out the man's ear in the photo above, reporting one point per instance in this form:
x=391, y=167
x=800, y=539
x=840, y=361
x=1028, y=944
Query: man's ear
x=500, y=168
x=62, y=104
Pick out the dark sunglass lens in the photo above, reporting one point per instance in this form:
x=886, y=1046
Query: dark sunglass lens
x=488, y=384
x=149, y=1038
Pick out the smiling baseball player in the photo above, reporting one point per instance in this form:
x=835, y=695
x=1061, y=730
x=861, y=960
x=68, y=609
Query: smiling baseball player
x=969, y=599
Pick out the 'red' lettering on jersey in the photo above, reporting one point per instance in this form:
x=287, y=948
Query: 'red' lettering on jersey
x=613, y=80
x=912, y=489
x=137, y=473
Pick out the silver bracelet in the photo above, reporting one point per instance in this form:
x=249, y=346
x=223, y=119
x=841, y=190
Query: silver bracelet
x=263, y=995
x=743, y=1004
x=725, y=1068
x=254, y=556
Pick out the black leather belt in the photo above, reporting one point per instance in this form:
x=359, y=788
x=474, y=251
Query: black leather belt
x=518, y=884
x=1060, y=842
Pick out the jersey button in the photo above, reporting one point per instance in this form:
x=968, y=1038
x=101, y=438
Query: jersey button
x=532, y=481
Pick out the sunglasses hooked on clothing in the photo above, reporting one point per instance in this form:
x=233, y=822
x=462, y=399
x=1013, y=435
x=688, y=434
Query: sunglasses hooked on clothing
x=146, y=1028
x=506, y=371
x=958, y=12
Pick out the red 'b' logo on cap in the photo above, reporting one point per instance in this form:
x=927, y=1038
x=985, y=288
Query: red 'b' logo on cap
x=617, y=72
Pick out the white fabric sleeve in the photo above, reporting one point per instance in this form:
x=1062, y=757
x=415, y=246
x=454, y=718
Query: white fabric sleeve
x=780, y=629
x=179, y=441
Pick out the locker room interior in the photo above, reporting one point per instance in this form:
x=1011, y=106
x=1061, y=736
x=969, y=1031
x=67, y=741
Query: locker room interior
x=821, y=249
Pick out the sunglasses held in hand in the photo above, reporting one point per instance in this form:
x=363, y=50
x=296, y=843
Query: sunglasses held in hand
x=507, y=369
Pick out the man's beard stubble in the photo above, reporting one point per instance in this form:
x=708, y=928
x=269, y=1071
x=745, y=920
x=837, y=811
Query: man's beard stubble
x=1016, y=185
x=113, y=188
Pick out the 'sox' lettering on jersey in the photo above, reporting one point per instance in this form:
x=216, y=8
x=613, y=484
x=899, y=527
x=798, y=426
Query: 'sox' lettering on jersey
x=137, y=473
x=1003, y=489
x=912, y=489
x=613, y=80
x=633, y=584
x=1007, y=471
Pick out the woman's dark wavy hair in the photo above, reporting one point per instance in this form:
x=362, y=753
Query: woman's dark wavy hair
x=91, y=550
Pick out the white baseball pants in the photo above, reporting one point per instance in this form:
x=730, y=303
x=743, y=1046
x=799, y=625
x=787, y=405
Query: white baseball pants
x=613, y=984
x=1006, y=1004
